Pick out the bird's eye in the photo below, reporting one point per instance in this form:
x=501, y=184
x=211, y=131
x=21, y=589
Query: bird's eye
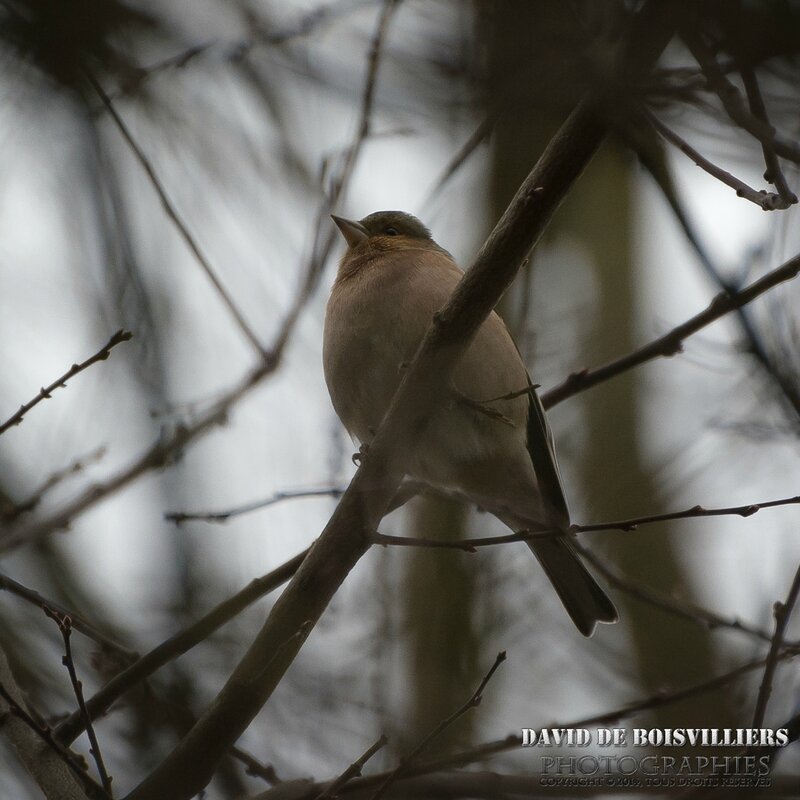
x=392, y=232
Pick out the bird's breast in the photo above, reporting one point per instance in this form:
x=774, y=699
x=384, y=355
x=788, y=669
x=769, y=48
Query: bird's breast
x=367, y=341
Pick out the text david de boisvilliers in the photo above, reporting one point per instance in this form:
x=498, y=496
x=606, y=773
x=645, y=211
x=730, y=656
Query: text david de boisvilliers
x=656, y=737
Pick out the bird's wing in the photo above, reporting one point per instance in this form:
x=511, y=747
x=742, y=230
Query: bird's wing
x=541, y=447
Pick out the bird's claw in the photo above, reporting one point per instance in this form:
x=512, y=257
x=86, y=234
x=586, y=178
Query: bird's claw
x=357, y=457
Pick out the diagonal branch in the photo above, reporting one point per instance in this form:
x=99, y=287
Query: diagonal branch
x=353, y=771
x=78, y=622
x=57, y=770
x=768, y=201
x=179, y=517
x=159, y=454
x=408, y=760
x=672, y=342
x=684, y=609
x=303, y=791
x=177, y=220
x=732, y=101
x=199, y=631
x=65, y=626
x=45, y=392
x=774, y=173
x=782, y=613
x=656, y=164
x=324, y=235
x=140, y=669
x=76, y=466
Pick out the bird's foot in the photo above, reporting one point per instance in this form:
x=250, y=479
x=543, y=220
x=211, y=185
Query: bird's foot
x=357, y=457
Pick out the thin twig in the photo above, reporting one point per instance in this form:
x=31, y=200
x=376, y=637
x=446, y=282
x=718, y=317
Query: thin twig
x=177, y=221
x=530, y=389
x=65, y=626
x=78, y=622
x=661, y=173
x=165, y=449
x=774, y=173
x=478, y=136
x=672, y=605
x=672, y=342
x=485, y=409
x=660, y=699
x=176, y=645
x=223, y=516
x=353, y=771
x=732, y=101
x=73, y=761
x=768, y=201
x=324, y=233
x=688, y=513
x=45, y=392
x=473, y=702
x=73, y=468
x=469, y=545
x=782, y=613
x=254, y=767
x=199, y=631
x=367, y=98
x=139, y=75
x=159, y=454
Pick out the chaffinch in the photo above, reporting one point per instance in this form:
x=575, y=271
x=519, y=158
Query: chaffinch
x=499, y=453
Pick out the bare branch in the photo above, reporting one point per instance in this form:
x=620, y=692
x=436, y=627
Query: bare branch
x=768, y=201
x=773, y=174
x=324, y=234
x=688, y=513
x=782, y=613
x=635, y=588
x=485, y=409
x=732, y=101
x=177, y=221
x=278, y=497
x=158, y=455
x=65, y=626
x=78, y=622
x=170, y=444
x=45, y=393
x=672, y=342
x=665, y=697
x=176, y=645
x=254, y=767
x=469, y=545
x=237, y=50
x=478, y=136
x=672, y=605
x=657, y=166
x=353, y=771
x=56, y=769
x=408, y=760
x=59, y=476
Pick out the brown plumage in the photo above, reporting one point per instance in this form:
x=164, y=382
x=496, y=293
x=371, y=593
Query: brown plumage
x=391, y=281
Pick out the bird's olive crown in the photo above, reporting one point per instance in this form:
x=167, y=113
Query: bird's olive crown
x=395, y=223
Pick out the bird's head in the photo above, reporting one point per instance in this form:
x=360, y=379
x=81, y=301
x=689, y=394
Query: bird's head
x=391, y=229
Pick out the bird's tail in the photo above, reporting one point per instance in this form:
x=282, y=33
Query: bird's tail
x=586, y=603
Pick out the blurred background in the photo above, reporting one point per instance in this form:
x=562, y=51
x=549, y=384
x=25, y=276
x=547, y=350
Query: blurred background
x=255, y=119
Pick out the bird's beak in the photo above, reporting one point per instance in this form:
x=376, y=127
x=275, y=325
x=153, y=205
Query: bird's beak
x=353, y=232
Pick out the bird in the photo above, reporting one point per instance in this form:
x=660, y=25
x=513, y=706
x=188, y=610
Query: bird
x=497, y=452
